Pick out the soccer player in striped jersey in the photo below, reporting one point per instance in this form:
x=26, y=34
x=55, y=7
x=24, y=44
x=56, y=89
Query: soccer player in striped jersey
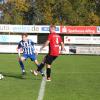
x=27, y=46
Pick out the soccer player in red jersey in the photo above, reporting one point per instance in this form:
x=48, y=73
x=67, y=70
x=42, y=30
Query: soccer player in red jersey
x=54, y=41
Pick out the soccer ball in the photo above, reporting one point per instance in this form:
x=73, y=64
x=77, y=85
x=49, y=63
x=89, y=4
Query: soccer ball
x=1, y=76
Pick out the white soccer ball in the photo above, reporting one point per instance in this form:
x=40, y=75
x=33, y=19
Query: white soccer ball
x=1, y=76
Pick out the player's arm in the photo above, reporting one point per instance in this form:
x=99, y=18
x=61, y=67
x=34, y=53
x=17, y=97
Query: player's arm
x=62, y=46
x=35, y=49
x=34, y=45
x=19, y=49
x=45, y=44
x=19, y=52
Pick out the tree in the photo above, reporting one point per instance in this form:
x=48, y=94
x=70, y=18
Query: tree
x=66, y=12
x=14, y=11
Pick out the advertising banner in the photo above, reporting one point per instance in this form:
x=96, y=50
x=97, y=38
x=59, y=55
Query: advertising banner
x=98, y=29
x=27, y=28
x=4, y=28
x=81, y=39
x=20, y=28
x=92, y=50
x=45, y=29
x=8, y=48
x=13, y=49
x=88, y=50
x=15, y=38
x=78, y=29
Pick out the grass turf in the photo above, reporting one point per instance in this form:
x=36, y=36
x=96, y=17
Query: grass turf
x=73, y=78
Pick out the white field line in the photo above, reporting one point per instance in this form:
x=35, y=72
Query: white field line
x=42, y=89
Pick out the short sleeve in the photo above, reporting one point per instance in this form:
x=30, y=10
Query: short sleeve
x=32, y=43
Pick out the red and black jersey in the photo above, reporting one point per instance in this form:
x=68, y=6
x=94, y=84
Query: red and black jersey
x=55, y=41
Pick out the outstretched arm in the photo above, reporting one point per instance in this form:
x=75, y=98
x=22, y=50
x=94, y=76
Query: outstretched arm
x=45, y=44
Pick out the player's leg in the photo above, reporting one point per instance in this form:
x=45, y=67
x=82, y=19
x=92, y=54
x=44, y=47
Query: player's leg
x=34, y=58
x=48, y=72
x=49, y=61
x=41, y=66
x=21, y=59
x=38, y=65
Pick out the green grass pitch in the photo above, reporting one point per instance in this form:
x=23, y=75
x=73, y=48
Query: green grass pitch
x=74, y=77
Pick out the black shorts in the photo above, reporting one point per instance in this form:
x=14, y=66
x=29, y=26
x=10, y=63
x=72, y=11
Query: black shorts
x=49, y=59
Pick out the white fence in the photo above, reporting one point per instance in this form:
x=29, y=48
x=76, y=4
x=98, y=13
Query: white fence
x=13, y=49
x=7, y=44
x=92, y=50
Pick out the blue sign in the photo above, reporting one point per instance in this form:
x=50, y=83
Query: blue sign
x=46, y=29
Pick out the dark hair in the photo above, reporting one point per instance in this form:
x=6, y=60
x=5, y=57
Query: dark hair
x=25, y=34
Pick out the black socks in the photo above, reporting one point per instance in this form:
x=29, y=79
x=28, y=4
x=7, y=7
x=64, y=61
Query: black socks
x=48, y=72
x=40, y=67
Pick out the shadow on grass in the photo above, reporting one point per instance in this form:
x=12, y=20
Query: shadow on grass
x=18, y=76
x=13, y=75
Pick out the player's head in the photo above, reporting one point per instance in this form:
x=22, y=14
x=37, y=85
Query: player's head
x=24, y=36
x=52, y=29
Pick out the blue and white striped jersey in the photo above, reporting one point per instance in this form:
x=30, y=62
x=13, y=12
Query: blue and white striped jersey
x=27, y=46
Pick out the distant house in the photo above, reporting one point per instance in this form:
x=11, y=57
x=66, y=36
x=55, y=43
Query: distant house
x=1, y=11
x=1, y=1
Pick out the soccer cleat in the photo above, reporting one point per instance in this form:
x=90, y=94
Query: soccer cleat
x=23, y=72
x=48, y=79
x=43, y=74
x=35, y=72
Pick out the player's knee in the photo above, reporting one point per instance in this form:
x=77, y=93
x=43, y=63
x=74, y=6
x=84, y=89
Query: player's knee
x=48, y=66
x=36, y=62
x=22, y=59
x=19, y=59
